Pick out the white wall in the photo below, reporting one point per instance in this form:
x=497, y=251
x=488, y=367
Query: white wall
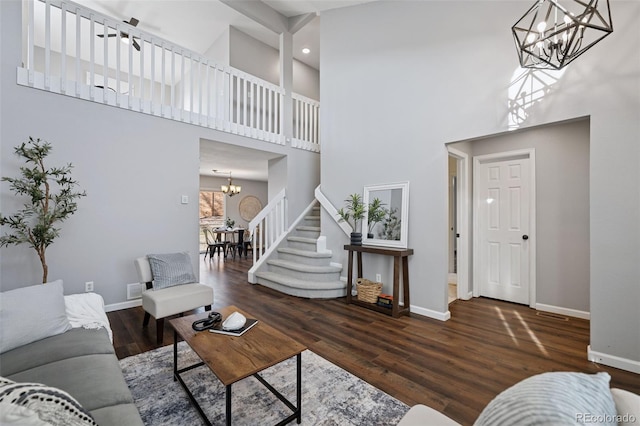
x=134, y=167
x=219, y=49
x=401, y=79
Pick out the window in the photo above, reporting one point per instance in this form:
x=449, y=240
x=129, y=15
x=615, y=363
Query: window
x=211, y=205
x=211, y=212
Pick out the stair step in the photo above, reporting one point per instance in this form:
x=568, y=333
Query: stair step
x=312, y=217
x=308, y=228
x=307, y=257
x=308, y=231
x=304, y=253
x=300, y=287
x=304, y=271
x=301, y=267
x=302, y=243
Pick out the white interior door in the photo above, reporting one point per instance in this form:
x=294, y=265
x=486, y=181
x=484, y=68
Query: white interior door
x=504, y=189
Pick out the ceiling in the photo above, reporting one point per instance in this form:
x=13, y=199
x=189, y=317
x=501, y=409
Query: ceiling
x=196, y=25
x=243, y=163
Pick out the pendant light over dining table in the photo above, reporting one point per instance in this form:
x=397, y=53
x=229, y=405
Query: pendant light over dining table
x=230, y=189
x=553, y=33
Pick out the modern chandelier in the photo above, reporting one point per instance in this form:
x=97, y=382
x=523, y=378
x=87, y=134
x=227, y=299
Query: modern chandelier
x=552, y=33
x=231, y=189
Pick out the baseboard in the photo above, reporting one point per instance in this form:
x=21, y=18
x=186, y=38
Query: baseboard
x=563, y=311
x=123, y=305
x=430, y=313
x=613, y=361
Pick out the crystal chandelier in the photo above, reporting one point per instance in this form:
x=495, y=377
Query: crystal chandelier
x=552, y=33
x=231, y=189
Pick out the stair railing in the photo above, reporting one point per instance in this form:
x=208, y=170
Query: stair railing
x=333, y=212
x=276, y=242
x=268, y=228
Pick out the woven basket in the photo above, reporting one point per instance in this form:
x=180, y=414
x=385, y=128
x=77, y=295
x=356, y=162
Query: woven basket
x=368, y=291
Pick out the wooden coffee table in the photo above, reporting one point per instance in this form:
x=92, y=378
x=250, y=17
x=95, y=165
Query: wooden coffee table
x=233, y=358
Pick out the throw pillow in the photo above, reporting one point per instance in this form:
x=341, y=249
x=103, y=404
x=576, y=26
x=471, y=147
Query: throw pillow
x=171, y=269
x=558, y=398
x=30, y=404
x=32, y=313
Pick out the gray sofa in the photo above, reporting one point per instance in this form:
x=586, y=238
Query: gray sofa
x=57, y=362
x=81, y=362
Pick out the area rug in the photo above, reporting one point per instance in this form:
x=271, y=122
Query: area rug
x=330, y=395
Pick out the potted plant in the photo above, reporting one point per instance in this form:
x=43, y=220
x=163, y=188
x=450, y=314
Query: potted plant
x=230, y=223
x=52, y=198
x=375, y=214
x=353, y=213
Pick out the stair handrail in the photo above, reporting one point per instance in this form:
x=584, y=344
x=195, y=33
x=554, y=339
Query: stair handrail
x=267, y=229
x=333, y=212
x=276, y=242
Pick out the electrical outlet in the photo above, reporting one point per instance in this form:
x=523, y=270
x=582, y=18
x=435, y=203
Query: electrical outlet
x=88, y=286
x=378, y=278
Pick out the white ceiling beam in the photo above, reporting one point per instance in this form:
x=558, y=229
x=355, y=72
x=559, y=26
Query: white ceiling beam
x=296, y=23
x=261, y=13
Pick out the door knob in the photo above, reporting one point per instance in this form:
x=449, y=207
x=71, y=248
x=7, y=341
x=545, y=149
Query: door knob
x=525, y=237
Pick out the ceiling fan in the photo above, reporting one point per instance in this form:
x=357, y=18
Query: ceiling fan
x=124, y=36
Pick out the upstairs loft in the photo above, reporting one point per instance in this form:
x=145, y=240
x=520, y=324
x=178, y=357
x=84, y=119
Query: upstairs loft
x=74, y=51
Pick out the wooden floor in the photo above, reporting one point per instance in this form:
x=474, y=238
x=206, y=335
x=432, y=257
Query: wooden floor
x=456, y=366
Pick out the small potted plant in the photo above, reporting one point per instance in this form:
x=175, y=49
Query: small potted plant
x=353, y=213
x=376, y=214
x=229, y=223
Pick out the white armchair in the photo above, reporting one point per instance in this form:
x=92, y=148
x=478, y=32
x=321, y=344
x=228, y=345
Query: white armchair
x=163, y=302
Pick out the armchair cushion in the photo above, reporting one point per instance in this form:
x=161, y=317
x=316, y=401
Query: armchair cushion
x=171, y=269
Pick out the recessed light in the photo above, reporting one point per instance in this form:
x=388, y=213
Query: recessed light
x=306, y=50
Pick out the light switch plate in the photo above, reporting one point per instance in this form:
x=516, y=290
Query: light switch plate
x=185, y=199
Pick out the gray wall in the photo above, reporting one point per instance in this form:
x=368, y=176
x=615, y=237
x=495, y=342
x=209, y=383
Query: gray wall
x=562, y=207
x=134, y=167
x=401, y=79
x=254, y=57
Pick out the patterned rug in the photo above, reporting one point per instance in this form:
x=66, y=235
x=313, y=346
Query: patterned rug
x=330, y=395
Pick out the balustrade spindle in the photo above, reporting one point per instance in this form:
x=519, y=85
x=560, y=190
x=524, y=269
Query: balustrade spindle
x=63, y=49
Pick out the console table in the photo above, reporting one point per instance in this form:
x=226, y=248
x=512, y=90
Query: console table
x=400, y=262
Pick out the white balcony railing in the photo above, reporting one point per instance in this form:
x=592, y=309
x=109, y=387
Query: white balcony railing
x=306, y=112
x=75, y=51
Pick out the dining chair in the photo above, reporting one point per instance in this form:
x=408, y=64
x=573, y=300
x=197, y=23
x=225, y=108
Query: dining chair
x=214, y=243
x=244, y=243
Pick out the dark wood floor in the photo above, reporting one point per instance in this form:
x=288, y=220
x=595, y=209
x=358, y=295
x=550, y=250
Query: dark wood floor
x=456, y=366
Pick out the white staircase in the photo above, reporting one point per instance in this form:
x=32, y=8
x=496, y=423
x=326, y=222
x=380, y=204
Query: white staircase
x=298, y=269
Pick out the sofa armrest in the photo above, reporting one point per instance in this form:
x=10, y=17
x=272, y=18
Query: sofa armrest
x=420, y=415
x=627, y=406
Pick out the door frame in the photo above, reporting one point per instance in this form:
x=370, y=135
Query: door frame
x=463, y=200
x=529, y=153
